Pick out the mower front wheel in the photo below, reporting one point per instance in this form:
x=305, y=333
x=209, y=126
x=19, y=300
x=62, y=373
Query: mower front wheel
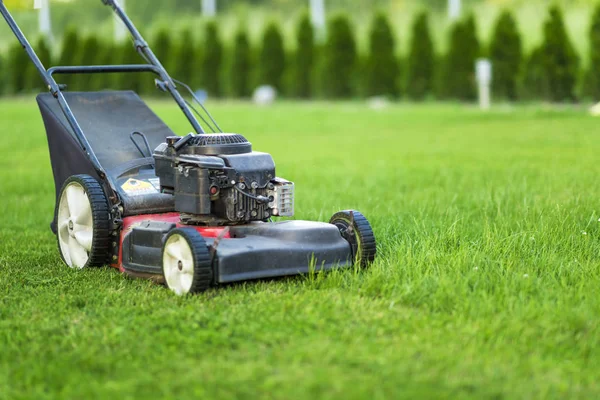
x=83, y=223
x=355, y=228
x=187, y=263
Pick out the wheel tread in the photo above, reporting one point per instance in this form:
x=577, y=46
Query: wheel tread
x=362, y=227
x=99, y=255
x=203, y=269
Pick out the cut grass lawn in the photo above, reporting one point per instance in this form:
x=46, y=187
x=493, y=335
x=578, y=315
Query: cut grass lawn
x=486, y=285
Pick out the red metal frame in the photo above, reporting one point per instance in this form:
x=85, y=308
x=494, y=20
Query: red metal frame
x=130, y=222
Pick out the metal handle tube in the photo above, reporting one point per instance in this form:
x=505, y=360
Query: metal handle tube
x=98, y=69
x=142, y=46
x=54, y=89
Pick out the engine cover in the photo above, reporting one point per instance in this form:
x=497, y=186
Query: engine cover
x=218, y=180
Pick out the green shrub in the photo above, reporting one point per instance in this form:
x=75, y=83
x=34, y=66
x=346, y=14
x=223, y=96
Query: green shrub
x=340, y=59
x=89, y=55
x=241, y=65
x=592, y=82
x=18, y=64
x=506, y=55
x=185, y=66
x=141, y=83
x=304, y=58
x=382, y=69
x=561, y=63
x=71, y=46
x=3, y=74
x=212, y=60
x=34, y=81
x=535, y=82
x=421, y=60
x=459, y=66
x=107, y=56
x=272, y=57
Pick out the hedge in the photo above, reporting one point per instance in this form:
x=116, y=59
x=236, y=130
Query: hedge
x=421, y=60
x=272, y=57
x=382, y=69
x=340, y=59
x=334, y=68
x=506, y=54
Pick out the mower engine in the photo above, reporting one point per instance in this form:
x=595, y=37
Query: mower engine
x=218, y=180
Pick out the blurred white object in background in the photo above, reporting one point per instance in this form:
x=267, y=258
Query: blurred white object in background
x=120, y=29
x=378, y=103
x=454, y=9
x=209, y=8
x=201, y=95
x=264, y=95
x=483, y=70
x=44, y=20
x=319, y=18
x=595, y=110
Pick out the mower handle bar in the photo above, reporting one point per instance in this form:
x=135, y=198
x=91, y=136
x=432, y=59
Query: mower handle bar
x=154, y=65
x=98, y=69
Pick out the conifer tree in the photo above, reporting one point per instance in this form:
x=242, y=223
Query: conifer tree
x=34, y=81
x=3, y=75
x=592, y=87
x=304, y=57
x=535, y=82
x=141, y=83
x=506, y=55
x=459, y=66
x=71, y=46
x=272, y=57
x=212, y=59
x=241, y=67
x=382, y=68
x=90, y=50
x=561, y=63
x=17, y=69
x=341, y=58
x=421, y=60
x=185, y=66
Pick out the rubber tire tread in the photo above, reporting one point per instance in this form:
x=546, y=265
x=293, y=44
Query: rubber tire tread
x=366, y=236
x=203, y=270
x=99, y=256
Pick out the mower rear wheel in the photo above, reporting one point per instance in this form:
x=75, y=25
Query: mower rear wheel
x=187, y=263
x=83, y=223
x=355, y=228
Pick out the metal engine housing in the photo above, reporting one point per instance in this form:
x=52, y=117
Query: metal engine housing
x=218, y=180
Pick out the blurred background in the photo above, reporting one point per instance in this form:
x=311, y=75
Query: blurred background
x=413, y=50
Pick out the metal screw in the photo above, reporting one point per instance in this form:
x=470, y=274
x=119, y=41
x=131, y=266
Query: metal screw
x=254, y=185
x=242, y=186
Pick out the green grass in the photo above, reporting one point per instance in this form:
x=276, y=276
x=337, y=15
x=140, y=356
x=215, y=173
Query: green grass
x=486, y=284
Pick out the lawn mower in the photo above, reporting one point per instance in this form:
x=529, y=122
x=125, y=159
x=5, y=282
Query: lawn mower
x=191, y=211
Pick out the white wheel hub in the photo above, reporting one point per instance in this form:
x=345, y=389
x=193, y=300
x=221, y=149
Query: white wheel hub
x=178, y=265
x=75, y=226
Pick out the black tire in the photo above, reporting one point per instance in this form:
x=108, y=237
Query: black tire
x=99, y=252
x=202, y=270
x=355, y=228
